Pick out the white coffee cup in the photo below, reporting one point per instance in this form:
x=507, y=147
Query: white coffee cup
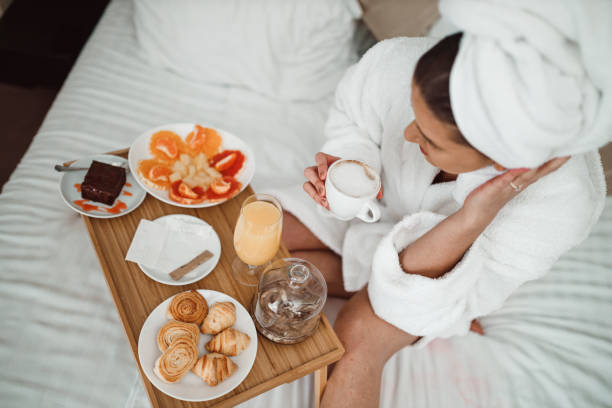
x=351, y=188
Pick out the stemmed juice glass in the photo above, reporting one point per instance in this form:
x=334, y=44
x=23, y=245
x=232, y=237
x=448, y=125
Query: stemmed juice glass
x=256, y=237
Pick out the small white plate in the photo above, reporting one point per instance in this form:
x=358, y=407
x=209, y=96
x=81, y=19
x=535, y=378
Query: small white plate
x=131, y=194
x=212, y=243
x=140, y=151
x=191, y=387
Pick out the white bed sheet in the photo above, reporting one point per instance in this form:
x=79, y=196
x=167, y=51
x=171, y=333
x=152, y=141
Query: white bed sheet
x=62, y=344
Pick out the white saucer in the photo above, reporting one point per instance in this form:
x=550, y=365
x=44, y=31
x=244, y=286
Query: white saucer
x=131, y=194
x=212, y=243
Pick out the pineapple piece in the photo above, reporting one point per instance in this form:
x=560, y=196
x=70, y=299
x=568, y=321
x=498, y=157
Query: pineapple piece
x=201, y=162
x=190, y=181
x=175, y=176
x=212, y=173
x=203, y=180
x=180, y=168
x=185, y=159
x=191, y=170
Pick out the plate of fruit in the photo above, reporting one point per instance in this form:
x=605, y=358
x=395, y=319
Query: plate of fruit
x=191, y=165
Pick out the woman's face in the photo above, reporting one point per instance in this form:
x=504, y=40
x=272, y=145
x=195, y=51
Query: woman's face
x=439, y=141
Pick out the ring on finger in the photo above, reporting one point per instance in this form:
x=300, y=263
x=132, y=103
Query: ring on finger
x=516, y=188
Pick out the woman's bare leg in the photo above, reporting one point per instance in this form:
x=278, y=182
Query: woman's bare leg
x=302, y=243
x=330, y=266
x=297, y=237
x=369, y=342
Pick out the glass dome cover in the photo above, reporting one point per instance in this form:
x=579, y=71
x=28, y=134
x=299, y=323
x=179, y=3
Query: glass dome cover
x=290, y=296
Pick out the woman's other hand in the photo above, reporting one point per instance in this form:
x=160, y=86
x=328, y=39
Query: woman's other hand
x=485, y=201
x=316, y=175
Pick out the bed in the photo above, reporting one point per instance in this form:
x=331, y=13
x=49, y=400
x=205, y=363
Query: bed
x=62, y=344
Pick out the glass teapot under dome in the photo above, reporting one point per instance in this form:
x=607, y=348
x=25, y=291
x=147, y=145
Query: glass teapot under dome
x=289, y=299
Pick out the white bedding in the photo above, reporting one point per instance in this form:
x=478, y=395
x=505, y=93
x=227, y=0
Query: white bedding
x=62, y=344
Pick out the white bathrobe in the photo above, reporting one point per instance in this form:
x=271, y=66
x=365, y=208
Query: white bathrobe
x=371, y=110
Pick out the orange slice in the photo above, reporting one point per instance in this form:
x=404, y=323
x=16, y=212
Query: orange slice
x=226, y=162
x=220, y=186
x=166, y=145
x=159, y=172
x=205, y=140
x=186, y=191
x=154, y=174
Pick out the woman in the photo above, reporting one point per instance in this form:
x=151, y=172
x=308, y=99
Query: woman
x=459, y=231
x=464, y=221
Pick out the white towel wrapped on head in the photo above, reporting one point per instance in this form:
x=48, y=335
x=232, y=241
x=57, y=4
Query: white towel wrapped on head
x=532, y=79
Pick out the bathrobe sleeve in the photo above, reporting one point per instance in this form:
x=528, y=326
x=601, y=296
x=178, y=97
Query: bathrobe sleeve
x=365, y=98
x=521, y=244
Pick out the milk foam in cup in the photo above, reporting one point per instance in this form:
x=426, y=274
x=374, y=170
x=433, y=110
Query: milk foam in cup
x=351, y=188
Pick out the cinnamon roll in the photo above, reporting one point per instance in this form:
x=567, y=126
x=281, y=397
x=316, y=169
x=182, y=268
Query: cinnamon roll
x=188, y=307
x=175, y=329
x=177, y=360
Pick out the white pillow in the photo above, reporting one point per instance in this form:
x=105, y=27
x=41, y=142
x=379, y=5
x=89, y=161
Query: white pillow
x=286, y=49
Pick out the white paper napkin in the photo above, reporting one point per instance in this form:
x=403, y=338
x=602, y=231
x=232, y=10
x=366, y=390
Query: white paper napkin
x=164, y=246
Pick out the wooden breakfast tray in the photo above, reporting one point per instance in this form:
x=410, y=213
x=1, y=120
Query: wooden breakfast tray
x=136, y=295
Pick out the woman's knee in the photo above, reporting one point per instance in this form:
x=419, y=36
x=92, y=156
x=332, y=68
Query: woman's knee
x=296, y=236
x=361, y=331
x=355, y=323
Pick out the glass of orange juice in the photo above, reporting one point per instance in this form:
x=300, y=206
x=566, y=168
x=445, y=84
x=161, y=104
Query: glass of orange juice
x=256, y=237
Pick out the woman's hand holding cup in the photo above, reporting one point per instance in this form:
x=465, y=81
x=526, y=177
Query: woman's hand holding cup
x=348, y=192
x=316, y=176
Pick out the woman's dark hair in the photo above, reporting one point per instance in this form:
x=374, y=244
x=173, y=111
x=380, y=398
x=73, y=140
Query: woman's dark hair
x=432, y=76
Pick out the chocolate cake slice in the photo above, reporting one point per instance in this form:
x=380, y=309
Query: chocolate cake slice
x=103, y=182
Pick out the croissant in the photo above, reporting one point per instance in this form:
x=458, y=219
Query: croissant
x=175, y=329
x=230, y=342
x=221, y=316
x=214, y=368
x=188, y=307
x=177, y=360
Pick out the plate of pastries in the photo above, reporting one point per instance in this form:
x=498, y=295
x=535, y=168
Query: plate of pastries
x=197, y=345
x=191, y=165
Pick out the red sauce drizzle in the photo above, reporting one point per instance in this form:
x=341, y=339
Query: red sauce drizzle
x=86, y=207
x=78, y=187
x=235, y=167
x=234, y=188
x=127, y=193
x=128, y=184
x=116, y=209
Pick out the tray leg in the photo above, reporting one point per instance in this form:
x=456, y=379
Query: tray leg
x=320, y=380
